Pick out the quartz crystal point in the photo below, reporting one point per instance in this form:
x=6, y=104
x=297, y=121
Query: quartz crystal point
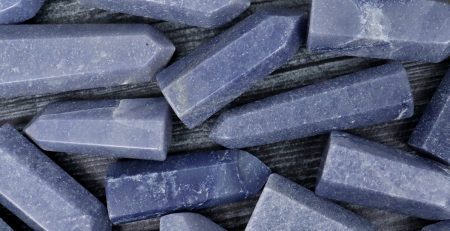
x=128, y=128
x=365, y=98
x=4, y=226
x=432, y=134
x=412, y=30
x=440, y=226
x=204, y=13
x=138, y=190
x=220, y=70
x=187, y=222
x=14, y=11
x=365, y=173
x=43, y=59
x=285, y=205
x=40, y=193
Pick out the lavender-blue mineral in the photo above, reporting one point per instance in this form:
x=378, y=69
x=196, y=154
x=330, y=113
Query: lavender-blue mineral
x=40, y=193
x=432, y=134
x=187, y=222
x=220, y=70
x=137, y=190
x=14, y=11
x=4, y=226
x=202, y=13
x=44, y=59
x=127, y=128
x=365, y=98
x=285, y=205
x=365, y=173
x=440, y=226
x=411, y=30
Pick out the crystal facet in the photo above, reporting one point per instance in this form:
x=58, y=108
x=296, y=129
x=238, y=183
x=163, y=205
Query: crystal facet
x=187, y=222
x=40, y=193
x=128, y=128
x=440, y=226
x=414, y=30
x=365, y=98
x=285, y=205
x=14, y=11
x=202, y=13
x=362, y=172
x=220, y=70
x=138, y=190
x=4, y=226
x=43, y=59
x=432, y=134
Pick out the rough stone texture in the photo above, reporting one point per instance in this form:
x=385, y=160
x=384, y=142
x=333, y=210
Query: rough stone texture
x=137, y=190
x=4, y=226
x=39, y=192
x=432, y=134
x=285, y=205
x=440, y=226
x=220, y=70
x=42, y=59
x=128, y=128
x=365, y=98
x=366, y=173
x=202, y=13
x=414, y=30
x=14, y=11
x=187, y=222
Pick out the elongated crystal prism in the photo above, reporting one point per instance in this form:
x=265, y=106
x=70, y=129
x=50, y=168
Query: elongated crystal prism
x=440, y=226
x=14, y=11
x=4, y=226
x=127, y=128
x=187, y=222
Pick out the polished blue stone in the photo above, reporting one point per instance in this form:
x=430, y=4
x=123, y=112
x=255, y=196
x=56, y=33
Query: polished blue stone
x=432, y=134
x=14, y=11
x=440, y=226
x=40, y=193
x=285, y=205
x=411, y=30
x=202, y=13
x=220, y=70
x=43, y=59
x=127, y=128
x=4, y=226
x=365, y=98
x=187, y=222
x=365, y=173
x=138, y=190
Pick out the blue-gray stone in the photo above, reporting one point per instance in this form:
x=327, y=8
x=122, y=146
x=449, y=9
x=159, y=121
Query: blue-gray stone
x=138, y=190
x=412, y=30
x=440, y=226
x=44, y=59
x=127, y=128
x=432, y=134
x=202, y=13
x=365, y=173
x=4, y=226
x=187, y=222
x=14, y=11
x=40, y=193
x=285, y=205
x=220, y=70
x=365, y=98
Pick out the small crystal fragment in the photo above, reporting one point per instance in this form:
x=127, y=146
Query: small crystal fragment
x=440, y=226
x=365, y=98
x=138, y=190
x=14, y=11
x=128, y=128
x=187, y=222
x=365, y=173
x=220, y=70
x=40, y=193
x=4, y=226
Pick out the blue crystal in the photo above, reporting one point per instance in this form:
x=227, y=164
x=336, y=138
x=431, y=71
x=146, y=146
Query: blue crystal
x=440, y=226
x=128, y=128
x=138, y=190
x=202, y=13
x=414, y=30
x=187, y=222
x=365, y=98
x=362, y=172
x=40, y=193
x=4, y=226
x=220, y=70
x=432, y=134
x=14, y=11
x=43, y=59
x=285, y=205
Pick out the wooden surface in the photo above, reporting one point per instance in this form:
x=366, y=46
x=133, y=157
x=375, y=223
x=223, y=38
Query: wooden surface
x=298, y=160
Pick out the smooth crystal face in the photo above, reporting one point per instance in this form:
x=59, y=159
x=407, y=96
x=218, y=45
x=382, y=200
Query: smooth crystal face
x=14, y=11
x=4, y=226
x=187, y=222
